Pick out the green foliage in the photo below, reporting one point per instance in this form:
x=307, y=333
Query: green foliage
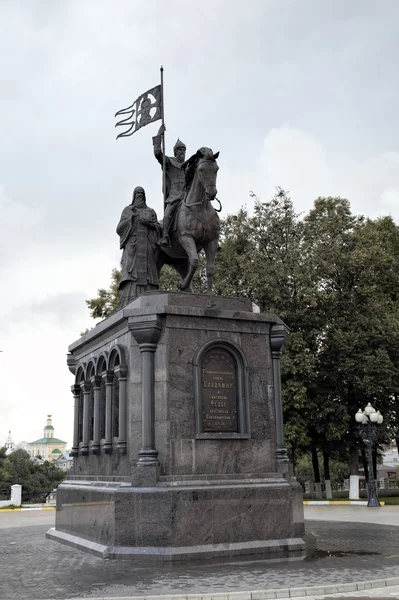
x=333, y=278
x=106, y=301
x=389, y=500
x=37, y=480
x=304, y=470
x=358, y=319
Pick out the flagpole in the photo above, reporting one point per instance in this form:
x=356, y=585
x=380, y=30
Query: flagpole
x=163, y=144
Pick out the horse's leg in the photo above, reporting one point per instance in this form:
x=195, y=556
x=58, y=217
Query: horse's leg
x=182, y=266
x=160, y=260
x=190, y=247
x=210, y=253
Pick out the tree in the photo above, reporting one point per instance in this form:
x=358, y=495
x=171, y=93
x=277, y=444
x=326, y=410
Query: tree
x=264, y=258
x=37, y=480
x=354, y=283
x=332, y=277
x=106, y=301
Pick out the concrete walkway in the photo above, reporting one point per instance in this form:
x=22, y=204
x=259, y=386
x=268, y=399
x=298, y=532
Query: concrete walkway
x=350, y=549
x=385, y=515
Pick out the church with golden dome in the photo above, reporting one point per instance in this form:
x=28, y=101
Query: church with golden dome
x=48, y=447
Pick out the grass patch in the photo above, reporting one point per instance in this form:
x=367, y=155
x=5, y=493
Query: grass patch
x=389, y=500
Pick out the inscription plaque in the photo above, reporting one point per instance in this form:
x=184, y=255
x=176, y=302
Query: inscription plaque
x=219, y=392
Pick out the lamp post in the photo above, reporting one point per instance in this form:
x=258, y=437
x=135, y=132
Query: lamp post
x=368, y=420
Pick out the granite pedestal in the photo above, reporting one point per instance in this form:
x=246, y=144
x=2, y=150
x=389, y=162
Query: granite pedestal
x=178, y=434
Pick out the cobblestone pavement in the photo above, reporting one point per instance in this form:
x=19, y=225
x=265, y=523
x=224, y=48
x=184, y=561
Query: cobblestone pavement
x=32, y=567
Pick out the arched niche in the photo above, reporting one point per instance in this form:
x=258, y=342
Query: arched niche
x=102, y=367
x=91, y=370
x=80, y=374
x=102, y=363
x=221, y=392
x=117, y=357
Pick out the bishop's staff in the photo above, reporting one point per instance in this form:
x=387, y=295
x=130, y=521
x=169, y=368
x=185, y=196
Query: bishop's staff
x=148, y=107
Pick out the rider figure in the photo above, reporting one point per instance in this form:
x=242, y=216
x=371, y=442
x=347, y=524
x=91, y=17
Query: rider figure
x=175, y=180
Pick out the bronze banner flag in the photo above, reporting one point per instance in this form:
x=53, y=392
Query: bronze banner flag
x=146, y=109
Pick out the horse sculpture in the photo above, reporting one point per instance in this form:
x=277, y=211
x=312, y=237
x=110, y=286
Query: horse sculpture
x=197, y=224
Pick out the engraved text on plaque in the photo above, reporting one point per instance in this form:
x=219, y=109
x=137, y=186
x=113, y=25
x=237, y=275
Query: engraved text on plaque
x=219, y=392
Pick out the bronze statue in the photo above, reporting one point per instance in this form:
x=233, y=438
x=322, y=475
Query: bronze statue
x=174, y=180
x=190, y=222
x=139, y=233
x=197, y=221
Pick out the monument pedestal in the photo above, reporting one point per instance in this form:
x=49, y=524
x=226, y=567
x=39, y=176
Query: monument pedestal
x=178, y=442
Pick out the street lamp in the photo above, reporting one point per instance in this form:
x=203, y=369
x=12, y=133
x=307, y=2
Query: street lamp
x=368, y=420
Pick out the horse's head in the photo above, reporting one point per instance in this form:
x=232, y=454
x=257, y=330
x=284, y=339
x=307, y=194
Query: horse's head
x=203, y=163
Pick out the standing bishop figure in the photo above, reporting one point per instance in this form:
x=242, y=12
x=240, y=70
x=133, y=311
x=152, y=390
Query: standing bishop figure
x=138, y=230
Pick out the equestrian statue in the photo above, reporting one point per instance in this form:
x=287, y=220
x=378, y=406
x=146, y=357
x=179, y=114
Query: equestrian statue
x=191, y=223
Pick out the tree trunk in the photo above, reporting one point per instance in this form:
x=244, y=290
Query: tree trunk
x=315, y=464
x=316, y=472
x=293, y=459
x=326, y=468
x=326, y=464
x=374, y=475
x=353, y=461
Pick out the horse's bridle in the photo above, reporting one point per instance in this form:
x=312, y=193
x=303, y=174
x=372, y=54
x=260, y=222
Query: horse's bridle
x=202, y=201
x=203, y=197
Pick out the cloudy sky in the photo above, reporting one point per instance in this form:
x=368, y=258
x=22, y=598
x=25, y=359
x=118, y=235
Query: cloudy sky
x=297, y=93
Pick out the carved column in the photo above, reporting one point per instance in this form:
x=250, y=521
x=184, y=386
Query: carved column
x=279, y=337
x=108, y=377
x=96, y=383
x=86, y=389
x=75, y=389
x=146, y=331
x=121, y=373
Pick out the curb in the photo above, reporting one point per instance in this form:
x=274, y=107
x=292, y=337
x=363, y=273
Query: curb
x=337, y=502
x=264, y=594
x=9, y=510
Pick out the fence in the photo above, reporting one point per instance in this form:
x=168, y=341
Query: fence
x=386, y=487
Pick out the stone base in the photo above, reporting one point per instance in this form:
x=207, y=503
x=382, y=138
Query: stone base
x=293, y=547
x=180, y=520
x=200, y=474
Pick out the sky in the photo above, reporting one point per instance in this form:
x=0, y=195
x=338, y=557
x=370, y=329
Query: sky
x=300, y=94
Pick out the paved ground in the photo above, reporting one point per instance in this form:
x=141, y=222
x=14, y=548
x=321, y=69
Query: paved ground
x=340, y=550
x=386, y=515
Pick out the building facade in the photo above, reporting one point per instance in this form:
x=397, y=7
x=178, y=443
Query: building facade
x=48, y=447
x=390, y=458
x=9, y=444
